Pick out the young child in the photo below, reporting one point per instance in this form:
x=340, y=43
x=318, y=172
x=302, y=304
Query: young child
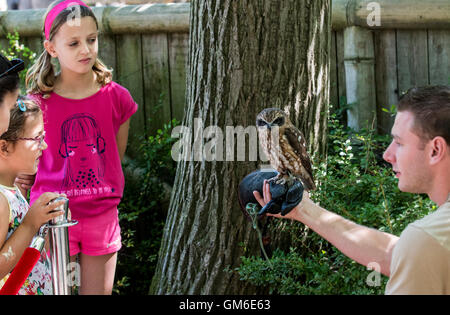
x=9, y=88
x=20, y=149
x=86, y=118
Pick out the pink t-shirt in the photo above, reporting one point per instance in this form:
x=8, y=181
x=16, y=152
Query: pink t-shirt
x=82, y=159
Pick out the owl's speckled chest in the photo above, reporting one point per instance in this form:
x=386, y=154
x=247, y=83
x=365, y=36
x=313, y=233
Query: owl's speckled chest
x=280, y=153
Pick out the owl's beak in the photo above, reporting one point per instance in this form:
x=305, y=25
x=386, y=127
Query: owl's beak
x=269, y=126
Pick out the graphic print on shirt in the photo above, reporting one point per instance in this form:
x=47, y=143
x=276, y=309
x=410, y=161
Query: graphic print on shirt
x=82, y=147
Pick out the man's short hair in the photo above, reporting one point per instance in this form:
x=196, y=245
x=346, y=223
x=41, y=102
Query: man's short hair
x=430, y=106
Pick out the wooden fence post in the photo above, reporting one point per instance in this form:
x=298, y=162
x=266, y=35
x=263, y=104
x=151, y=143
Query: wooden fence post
x=359, y=61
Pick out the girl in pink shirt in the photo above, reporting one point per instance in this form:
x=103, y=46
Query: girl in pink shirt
x=86, y=118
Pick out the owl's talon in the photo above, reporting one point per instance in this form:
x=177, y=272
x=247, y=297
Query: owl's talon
x=276, y=179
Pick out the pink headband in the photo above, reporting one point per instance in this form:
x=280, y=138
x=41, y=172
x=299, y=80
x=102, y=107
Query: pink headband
x=56, y=11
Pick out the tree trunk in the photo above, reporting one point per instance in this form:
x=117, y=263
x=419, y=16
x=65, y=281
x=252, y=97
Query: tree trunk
x=244, y=56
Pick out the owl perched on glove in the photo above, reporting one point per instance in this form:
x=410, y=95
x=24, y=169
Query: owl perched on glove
x=285, y=147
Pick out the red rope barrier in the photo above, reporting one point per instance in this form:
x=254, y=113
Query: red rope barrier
x=23, y=267
x=21, y=272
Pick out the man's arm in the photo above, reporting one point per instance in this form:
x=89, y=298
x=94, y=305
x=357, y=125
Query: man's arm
x=362, y=244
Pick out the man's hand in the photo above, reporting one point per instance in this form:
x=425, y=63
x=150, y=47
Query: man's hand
x=267, y=197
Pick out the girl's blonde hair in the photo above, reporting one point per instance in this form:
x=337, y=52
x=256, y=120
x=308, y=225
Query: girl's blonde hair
x=41, y=76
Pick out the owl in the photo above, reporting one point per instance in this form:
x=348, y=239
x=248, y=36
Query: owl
x=285, y=147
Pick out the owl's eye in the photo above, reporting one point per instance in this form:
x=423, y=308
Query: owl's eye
x=279, y=121
x=261, y=123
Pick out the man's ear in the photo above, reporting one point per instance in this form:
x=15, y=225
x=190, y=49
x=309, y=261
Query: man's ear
x=4, y=148
x=50, y=48
x=439, y=149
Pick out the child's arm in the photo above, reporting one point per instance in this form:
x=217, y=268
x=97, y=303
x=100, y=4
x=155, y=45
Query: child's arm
x=25, y=182
x=11, y=249
x=122, y=138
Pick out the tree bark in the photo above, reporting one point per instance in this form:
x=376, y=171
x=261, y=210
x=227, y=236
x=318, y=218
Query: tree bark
x=244, y=56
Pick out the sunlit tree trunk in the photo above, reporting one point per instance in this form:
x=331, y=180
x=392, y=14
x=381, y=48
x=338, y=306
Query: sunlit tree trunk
x=244, y=56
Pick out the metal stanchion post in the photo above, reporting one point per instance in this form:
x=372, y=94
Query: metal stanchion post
x=59, y=250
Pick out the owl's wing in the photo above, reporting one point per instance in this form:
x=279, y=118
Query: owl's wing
x=298, y=144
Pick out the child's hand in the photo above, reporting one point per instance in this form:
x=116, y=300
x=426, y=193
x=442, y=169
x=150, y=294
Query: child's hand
x=25, y=182
x=41, y=211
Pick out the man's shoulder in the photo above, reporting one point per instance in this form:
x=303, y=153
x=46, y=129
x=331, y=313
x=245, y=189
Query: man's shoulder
x=415, y=234
x=435, y=224
x=419, y=264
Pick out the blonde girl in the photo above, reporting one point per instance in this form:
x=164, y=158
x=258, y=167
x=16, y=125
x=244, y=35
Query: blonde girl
x=77, y=102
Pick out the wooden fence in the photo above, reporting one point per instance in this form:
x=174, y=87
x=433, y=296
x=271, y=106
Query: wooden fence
x=379, y=49
x=382, y=48
x=146, y=45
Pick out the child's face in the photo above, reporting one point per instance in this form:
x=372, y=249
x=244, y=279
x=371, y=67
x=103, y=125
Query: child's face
x=26, y=153
x=9, y=101
x=76, y=45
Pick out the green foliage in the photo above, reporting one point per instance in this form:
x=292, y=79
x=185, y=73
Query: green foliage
x=16, y=49
x=355, y=182
x=142, y=212
x=319, y=272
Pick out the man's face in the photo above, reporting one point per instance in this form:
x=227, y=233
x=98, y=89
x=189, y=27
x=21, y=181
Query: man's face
x=408, y=157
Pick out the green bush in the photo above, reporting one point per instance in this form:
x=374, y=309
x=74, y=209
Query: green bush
x=142, y=212
x=355, y=182
x=16, y=49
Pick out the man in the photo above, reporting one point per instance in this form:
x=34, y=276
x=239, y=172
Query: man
x=417, y=262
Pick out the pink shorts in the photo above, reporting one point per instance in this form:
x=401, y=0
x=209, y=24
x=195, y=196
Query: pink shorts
x=97, y=235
